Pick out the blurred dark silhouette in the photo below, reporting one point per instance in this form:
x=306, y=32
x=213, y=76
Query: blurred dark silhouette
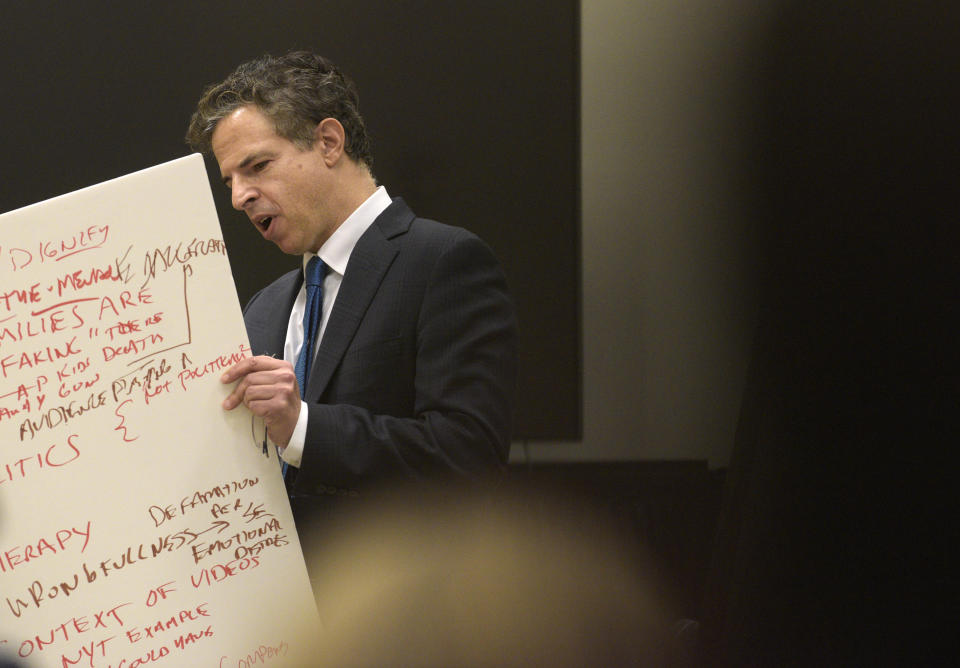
x=512, y=576
x=839, y=520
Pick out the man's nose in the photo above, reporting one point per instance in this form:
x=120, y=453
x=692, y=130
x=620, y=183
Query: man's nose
x=242, y=194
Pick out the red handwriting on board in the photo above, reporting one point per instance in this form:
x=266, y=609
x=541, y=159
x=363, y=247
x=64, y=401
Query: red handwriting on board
x=126, y=299
x=38, y=594
x=220, y=572
x=88, y=238
x=200, y=499
x=220, y=363
x=183, y=642
x=15, y=329
x=242, y=542
x=74, y=628
x=81, y=279
x=261, y=655
x=164, y=258
x=18, y=297
x=175, y=621
x=40, y=357
x=55, y=456
x=62, y=415
x=11, y=557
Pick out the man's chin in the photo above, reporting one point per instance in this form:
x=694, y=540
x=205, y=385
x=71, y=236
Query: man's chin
x=286, y=246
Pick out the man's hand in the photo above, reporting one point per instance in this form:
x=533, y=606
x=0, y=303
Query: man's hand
x=268, y=387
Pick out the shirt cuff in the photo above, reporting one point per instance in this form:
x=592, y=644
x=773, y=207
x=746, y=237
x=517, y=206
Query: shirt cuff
x=293, y=453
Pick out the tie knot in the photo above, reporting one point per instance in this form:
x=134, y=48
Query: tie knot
x=315, y=271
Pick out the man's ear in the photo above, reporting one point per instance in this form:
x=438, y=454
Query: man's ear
x=330, y=139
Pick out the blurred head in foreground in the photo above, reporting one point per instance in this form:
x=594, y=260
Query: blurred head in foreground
x=484, y=579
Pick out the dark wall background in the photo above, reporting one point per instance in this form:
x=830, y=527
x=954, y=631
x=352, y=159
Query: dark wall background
x=837, y=541
x=473, y=110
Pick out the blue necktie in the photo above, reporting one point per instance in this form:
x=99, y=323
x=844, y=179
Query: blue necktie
x=311, y=320
x=311, y=325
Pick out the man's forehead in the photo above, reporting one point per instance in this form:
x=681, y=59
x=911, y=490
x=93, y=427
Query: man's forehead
x=241, y=134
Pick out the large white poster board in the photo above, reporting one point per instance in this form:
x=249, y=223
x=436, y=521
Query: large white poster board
x=140, y=523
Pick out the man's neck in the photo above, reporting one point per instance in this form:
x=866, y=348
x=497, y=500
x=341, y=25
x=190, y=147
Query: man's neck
x=354, y=187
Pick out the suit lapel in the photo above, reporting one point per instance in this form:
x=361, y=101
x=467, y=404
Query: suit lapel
x=267, y=337
x=369, y=261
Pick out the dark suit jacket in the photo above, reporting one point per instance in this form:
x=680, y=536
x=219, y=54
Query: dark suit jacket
x=415, y=372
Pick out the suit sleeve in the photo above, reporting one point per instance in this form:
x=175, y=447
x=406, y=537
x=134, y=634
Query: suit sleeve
x=466, y=358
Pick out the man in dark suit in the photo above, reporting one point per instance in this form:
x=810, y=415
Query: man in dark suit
x=414, y=370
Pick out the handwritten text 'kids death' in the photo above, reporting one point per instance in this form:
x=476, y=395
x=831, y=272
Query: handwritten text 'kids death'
x=55, y=250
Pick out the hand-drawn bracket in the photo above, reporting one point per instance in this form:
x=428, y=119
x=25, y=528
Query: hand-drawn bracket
x=187, y=272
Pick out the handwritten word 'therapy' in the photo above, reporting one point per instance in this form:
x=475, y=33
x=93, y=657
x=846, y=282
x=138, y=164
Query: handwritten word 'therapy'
x=16, y=555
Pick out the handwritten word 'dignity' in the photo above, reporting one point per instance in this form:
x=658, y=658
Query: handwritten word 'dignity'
x=12, y=557
x=85, y=239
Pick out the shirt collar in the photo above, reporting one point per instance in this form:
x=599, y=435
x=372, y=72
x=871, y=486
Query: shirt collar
x=335, y=252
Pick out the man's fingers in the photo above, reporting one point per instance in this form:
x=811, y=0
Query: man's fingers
x=250, y=365
x=264, y=376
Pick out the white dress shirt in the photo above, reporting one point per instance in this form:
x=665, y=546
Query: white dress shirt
x=335, y=253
